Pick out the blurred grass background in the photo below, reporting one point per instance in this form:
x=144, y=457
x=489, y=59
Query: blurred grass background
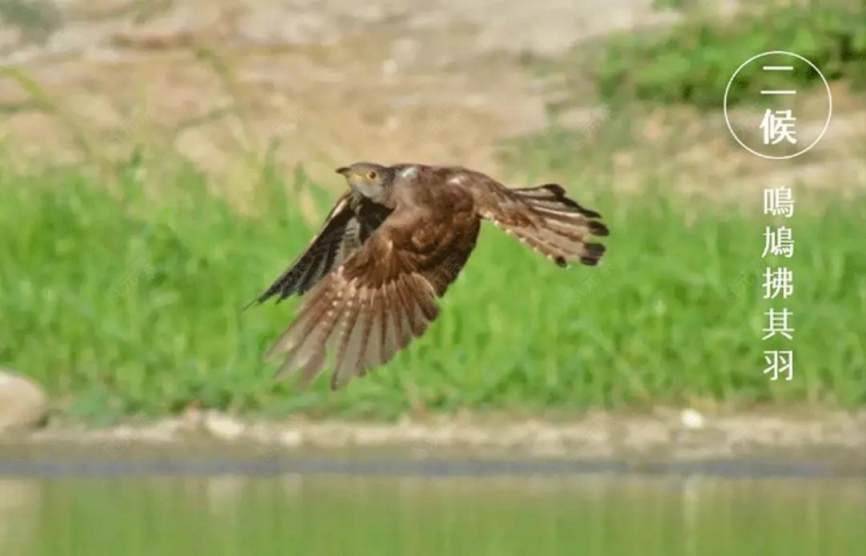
x=692, y=63
x=127, y=299
x=122, y=281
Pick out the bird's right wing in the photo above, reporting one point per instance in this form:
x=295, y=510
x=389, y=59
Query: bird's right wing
x=352, y=220
x=383, y=295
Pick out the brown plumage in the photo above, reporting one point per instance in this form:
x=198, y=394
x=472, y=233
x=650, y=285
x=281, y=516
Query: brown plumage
x=391, y=247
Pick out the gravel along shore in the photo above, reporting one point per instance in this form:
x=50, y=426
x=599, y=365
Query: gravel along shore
x=826, y=442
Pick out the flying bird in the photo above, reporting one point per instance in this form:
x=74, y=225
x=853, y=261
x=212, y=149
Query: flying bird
x=393, y=244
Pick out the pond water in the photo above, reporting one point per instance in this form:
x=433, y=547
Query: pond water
x=506, y=512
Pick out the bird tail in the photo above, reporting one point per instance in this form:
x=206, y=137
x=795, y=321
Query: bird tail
x=561, y=229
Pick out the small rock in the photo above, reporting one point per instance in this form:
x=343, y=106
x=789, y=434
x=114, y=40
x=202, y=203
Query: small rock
x=692, y=419
x=23, y=404
x=291, y=438
x=223, y=426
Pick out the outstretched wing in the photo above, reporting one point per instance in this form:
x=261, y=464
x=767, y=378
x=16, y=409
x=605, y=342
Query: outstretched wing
x=383, y=295
x=542, y=217
x=352, y=220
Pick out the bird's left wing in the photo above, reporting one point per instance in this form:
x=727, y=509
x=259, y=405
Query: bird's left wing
x=542, y=217
x=384, y=294
x=352, y=220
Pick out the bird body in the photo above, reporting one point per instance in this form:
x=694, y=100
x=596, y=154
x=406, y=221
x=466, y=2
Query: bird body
x=393, y=244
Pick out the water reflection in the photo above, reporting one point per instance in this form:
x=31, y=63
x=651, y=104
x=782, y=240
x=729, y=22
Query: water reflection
x=20, y=501
x=339, y=514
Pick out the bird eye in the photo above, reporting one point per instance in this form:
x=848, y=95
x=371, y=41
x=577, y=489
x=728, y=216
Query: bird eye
x=372, y=174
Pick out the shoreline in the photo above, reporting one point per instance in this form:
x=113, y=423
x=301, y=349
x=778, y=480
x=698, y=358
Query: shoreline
x=663, y=440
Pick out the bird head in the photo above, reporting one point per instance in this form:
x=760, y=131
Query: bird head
x=368, y=179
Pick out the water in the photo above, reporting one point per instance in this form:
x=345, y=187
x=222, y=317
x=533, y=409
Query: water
x=515, y=512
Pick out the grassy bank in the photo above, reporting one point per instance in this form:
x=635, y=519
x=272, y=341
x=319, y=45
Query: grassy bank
x=692, y=62
x=125, y=299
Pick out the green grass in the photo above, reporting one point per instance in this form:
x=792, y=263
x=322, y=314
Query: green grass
x=124, y=298
x=693, y=61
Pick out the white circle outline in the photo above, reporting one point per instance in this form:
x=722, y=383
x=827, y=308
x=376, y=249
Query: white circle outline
x=829, y=104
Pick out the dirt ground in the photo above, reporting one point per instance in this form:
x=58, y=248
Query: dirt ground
x=330, y=81
x=326, y=83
